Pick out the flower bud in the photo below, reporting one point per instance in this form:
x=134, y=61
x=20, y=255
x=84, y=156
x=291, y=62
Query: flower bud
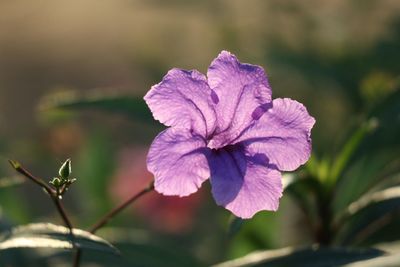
x=56, y=182
x=65, y=169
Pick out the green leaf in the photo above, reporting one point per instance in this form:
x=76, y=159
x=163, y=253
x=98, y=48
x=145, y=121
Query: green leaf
x=349, y=149
x=374, y=198
x=377, y=152
x=365, y=217
x=308, y=257
x=140, y=248
x=56, y=182
x=131, y=106
x=48, y=235
x=22, y=257
x=385, y=261
x=148, y=249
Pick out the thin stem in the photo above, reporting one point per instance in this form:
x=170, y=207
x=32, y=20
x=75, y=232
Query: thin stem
x=31, y=177
x=77, y=258
x=106, y=218
x=52, y=193
x=47, y=188
x=62, y=212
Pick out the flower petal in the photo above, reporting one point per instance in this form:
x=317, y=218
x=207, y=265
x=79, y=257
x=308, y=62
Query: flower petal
x=239, y=90
x=242, y=183
x=177, y=158
x=183, y=99
x=282, y=134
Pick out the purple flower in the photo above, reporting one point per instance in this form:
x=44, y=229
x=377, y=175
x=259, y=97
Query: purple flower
x=226, y=127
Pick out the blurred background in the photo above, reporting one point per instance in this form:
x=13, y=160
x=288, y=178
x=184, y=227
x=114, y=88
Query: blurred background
x=72, y=75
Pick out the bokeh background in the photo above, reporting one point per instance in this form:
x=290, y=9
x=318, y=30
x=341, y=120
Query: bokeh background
x=339, y=58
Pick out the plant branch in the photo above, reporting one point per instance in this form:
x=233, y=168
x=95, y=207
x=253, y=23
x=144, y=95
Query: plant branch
x=54, y=195
x=17, y=166
x=106, y=218
x=62, y=212
x=77, y=258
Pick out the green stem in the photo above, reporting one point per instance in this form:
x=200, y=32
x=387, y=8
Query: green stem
x=52, y=193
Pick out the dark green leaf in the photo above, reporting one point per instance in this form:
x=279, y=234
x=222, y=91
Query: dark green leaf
x=308, y=257
x=385, y=261
x=22, y=257
x=376, y=154
x=368, y=215
x=374, y=198
x=140, y=248
x=131, y=106
x=52, y=236
x=362, y=177
x=349, y=149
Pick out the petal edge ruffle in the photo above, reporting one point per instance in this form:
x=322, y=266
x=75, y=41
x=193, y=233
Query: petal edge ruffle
x=183, y=99
x=282, y=134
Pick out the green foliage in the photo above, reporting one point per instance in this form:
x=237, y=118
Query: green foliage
x=22, y=257
x=133, y=107
x=387, y=261
x=136, y=247
x=141, y=248
x=369, y=216
x=307, y=257
x=356, y=197
x=48, y=235
x=349, y=149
